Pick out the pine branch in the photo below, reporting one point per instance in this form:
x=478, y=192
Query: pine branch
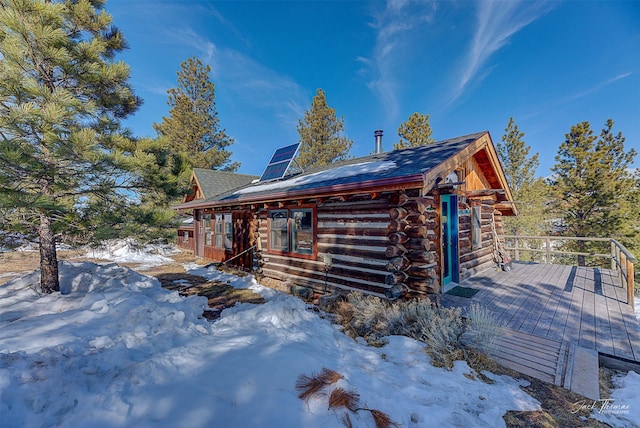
x=312, y=386
x=341, y=397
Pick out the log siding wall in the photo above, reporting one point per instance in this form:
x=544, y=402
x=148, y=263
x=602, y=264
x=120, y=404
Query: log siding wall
x=382, y=246
x=354, y=233
x=481, y=258
x=413, y=247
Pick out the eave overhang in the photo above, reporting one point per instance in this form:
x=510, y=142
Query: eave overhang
x=369, y=186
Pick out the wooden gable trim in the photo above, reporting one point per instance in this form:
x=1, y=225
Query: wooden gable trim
x=484, y=146
x=196, y=189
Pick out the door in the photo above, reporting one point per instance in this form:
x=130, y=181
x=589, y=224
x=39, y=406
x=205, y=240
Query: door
x=449, y=239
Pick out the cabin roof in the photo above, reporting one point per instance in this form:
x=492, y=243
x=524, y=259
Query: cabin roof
x=212, y=183
x=387, y=170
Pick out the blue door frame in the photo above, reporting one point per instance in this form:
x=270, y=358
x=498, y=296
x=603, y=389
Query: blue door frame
x=449, y=239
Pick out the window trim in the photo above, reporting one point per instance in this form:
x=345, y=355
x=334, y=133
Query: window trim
x=476, y=227
x=207, y=220
x=222, y=236
x=290, y=252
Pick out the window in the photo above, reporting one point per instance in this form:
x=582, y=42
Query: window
x=302, y=231
x=227, y=226
x=217, y=230
x=279, y=230
x=207, y=229
x=292, y=231
x=476, y=227
x=185, y=236
x=223, y=231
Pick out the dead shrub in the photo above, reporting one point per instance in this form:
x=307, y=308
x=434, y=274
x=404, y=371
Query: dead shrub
x=483, y=328
x=445, y=332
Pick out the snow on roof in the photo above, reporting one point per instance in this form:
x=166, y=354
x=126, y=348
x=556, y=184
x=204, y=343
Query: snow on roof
x=318, y=177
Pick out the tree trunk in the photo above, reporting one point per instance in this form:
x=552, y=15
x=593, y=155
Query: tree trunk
x=48, y=258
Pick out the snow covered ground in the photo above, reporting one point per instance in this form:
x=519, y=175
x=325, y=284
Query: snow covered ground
x=114, y=349
x=130, y=251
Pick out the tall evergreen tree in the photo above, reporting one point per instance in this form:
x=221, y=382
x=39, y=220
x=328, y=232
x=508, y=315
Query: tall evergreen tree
x=590, y=182
x=62, y=96
x=193, y=125
x=415, y=131
x=528, y=191
x=321, y=136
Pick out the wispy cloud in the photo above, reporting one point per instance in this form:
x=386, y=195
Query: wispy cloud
x=261, y=87
x=187, y=37
x=496, y=22
x=595, y=88
x=393, y=26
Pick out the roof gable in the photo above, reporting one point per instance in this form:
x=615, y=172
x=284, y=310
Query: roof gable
x=209, y=183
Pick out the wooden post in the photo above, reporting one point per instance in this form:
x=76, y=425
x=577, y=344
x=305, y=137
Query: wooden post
x=630, y=283
x=548, y=242
x=517, y=250
x=618, y=261
x=613, y=255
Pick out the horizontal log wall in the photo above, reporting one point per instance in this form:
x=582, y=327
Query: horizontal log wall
x=473, y=260
x=354, y=233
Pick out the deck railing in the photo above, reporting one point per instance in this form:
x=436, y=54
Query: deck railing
x=621, y=259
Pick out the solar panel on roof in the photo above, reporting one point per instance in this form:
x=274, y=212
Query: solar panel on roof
x=279, y=163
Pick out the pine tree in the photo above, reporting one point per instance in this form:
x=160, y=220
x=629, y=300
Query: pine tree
x=321, y=136
x=62, y=96
x=590, y=184
x=193, y=126
x=416, y=131
x=528, y=191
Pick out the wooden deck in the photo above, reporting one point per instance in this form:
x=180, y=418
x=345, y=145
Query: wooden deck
x=549, y=310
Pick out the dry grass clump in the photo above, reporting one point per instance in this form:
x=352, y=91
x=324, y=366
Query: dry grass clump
x=445, y=331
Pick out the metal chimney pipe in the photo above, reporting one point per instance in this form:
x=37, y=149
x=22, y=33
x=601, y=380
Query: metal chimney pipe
x=378, y=135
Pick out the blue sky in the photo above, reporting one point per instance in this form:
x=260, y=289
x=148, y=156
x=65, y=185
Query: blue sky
x=469, y=65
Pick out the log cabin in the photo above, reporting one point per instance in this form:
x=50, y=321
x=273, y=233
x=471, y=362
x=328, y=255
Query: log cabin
x=410, y=221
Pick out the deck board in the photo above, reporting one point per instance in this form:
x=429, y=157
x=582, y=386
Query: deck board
x=548, y=307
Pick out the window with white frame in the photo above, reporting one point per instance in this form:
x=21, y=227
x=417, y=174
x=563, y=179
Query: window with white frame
x=207, y=229
x=227, y=227
x=223, y=231
x=476, y=227
x=292, y=231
